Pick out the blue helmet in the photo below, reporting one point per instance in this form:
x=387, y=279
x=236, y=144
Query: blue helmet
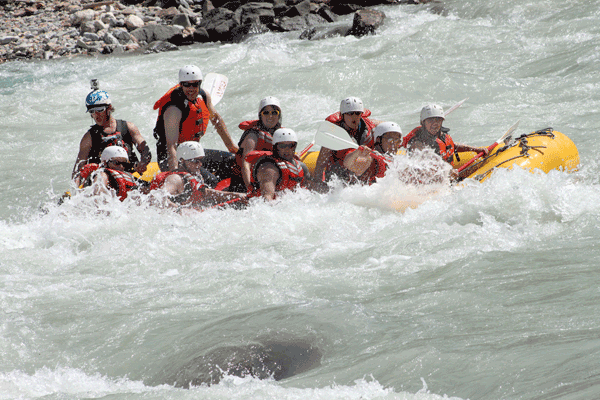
x=97, y=98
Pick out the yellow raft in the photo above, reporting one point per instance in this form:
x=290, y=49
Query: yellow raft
x=543, y=150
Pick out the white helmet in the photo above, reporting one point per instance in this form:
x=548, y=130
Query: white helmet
x=384, y=128
x=269, y=101
x=113, y=152
x=190, y=73
x=350, y=104
x=284, y=135
x=432, y=111
x=189, y=150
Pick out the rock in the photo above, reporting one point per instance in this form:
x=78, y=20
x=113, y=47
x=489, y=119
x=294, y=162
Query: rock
x=99, y=25
x=90, y=36
x=218, y=24
x=182, y=20
x=8, y=39
x=201, y=35
x=87, y=26
x=133, y=22
x=110, y=39
x=327, y=14
x=82, y=16
x=151, y=33
x=343, y=9
x=300, y=9
x=366, y=22
x=159, y=47
x=123, y=36
x=261, y=13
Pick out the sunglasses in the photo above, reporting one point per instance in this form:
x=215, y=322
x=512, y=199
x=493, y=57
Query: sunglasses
x=266, y=113
x=122, y=163
x=196, y=160
x=95, y=110
x=190, y=84
x=287, y=145
x=354, y=113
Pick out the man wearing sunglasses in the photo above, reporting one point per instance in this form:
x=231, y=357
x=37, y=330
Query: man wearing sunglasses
x=108, y=131
x=280, y=169
x=353, y=117
x=110, y=177
x=183, y=115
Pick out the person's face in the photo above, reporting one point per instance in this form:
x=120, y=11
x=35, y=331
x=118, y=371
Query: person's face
x=352, y=119
x=269, y=116
x=286, y=150
x=433, y=125
x=390, y=142
x=100, y=114
x=191, y=89
x=117, y=163
x=193, y=166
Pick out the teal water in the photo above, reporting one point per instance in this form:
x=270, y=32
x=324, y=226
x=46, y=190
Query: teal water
x=487, y=292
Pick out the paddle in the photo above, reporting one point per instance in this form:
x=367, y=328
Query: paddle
x=333, y=137
x=454, y=107
x=215, y=85
x=503, y=138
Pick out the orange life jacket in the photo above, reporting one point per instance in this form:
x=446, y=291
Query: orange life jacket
x=264, y=142
x=445, y=144
x=194, y=119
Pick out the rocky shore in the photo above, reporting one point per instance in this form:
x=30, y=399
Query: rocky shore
x=48, y=29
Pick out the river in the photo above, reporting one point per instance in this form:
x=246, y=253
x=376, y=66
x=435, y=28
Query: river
x=485, y=292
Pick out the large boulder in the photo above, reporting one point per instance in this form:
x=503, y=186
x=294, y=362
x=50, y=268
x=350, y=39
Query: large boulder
x=151, y=33
x=366, y=22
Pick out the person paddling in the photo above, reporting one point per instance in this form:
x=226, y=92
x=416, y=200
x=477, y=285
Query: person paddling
x=369, y=165
x=183, y=115
x=431, y=134
x=353, y=117
x=185, y=186
x=108, y=131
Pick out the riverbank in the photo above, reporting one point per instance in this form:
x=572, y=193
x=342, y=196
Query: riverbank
x=38, y=29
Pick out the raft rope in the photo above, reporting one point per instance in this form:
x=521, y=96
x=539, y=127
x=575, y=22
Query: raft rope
x=522, y=141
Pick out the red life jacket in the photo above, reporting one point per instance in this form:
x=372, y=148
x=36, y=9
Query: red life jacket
x=291, y=172
x=264, y=142
x=121, y=182
x=365, y=138
x=193, y=191
x=445, y=144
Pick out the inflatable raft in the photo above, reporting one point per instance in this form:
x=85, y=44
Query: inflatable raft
x=544, y=150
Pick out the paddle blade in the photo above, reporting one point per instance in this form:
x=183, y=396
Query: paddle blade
x=215, y=85
x=454, y=107
x=508, y=135
x=333, y=137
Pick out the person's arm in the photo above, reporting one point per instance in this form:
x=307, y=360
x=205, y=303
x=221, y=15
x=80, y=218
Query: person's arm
x=84, y=151
x=141, y=146
x=217, y=196
x=100, y=184
x=312, y=184
x=322, y=163
x=172, y=121
x=359, y=160
x=248, y=145
x=463, y=147
x=267, y=176
x=220, y=126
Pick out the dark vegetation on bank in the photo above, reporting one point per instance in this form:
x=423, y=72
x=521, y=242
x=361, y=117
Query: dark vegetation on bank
x=48, y=29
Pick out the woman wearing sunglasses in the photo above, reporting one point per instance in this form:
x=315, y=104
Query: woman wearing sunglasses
x=108, y=131
x=257, y=136
x=353, y=117
x=183, y=115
